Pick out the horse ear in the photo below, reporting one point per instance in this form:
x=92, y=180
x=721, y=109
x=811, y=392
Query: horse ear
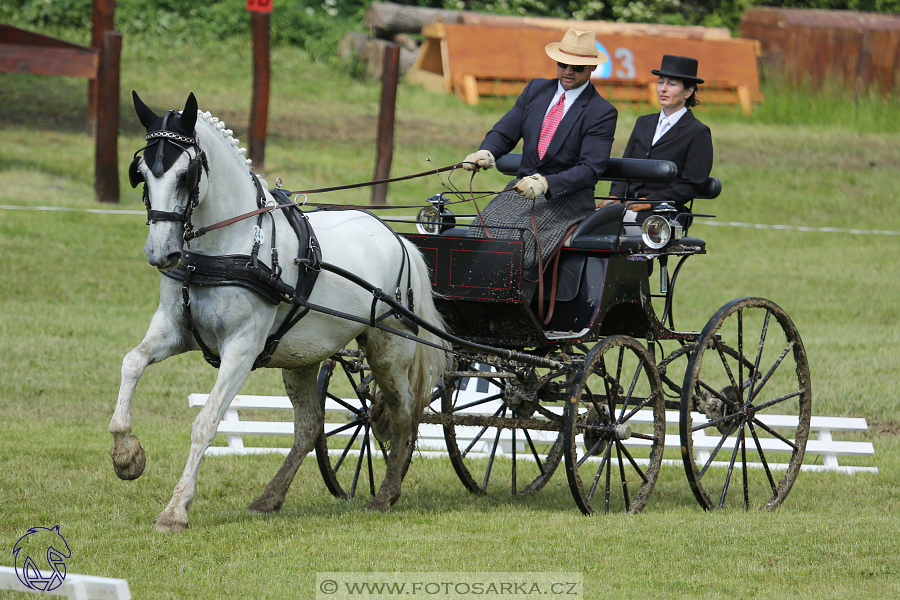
x=146, y=116
x=189, y=114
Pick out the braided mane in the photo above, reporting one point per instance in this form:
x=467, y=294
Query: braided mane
x=228, y=134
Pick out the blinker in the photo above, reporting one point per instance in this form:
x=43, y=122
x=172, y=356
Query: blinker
x=135, y=177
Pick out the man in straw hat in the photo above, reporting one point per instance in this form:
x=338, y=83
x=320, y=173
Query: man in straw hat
x=567, y=132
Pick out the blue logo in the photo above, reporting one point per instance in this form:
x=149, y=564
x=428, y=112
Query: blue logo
x=41, y=544
x=603, y=71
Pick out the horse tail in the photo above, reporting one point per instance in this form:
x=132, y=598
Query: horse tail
x=429, y=362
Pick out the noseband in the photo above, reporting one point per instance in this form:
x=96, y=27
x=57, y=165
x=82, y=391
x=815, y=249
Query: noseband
x=192, y=179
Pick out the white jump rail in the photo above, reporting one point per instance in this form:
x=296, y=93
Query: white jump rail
x=431, y=437
x=74, y=586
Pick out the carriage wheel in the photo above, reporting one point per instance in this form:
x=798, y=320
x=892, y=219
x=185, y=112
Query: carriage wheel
x=746, y=398
x=615, y=428
x=349, y=453
x=509, y=442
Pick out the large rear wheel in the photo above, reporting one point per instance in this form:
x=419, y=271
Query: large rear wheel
x=746, y=398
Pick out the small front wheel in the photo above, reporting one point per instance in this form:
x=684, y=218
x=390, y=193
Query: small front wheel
x=615, y=425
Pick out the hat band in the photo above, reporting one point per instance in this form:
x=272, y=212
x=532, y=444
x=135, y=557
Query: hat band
x=581, y=55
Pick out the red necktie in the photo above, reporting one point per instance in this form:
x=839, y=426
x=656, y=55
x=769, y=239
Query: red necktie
x=550, y=123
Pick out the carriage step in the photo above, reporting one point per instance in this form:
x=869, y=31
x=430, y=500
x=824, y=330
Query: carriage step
x=431, y=436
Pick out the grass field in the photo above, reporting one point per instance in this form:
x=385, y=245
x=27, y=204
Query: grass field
x=77, y=294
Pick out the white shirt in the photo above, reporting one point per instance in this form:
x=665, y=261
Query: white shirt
x=571, y=97
x=673, y=118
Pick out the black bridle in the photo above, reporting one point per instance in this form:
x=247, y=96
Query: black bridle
x=192, y=178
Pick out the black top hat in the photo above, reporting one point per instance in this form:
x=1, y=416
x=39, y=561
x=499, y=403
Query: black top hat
x=678, y=67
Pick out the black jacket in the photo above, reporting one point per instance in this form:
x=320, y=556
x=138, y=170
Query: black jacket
x=688, y=144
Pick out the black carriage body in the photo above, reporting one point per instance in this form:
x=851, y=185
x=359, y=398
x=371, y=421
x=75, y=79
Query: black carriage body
x=477, y=283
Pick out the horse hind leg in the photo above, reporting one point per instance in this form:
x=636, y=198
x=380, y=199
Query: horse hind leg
x=300, y=385
x=390, y=362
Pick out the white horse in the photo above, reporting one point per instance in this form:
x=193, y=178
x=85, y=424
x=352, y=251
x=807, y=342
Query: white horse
x=194, y=171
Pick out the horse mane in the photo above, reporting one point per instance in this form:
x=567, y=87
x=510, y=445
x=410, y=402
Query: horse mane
x=228, y=134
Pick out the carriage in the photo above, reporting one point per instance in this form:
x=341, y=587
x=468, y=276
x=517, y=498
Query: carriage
x=589, y=374
x=597, y=366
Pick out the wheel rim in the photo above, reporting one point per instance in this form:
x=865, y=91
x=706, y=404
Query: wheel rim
x=617, y=397
x=348, y=454
x=509, y=448
x=749, y=369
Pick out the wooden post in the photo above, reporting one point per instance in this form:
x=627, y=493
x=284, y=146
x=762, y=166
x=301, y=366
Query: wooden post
x=390, y=76
x=103, y=20
x=106, y=139
x=259, y=112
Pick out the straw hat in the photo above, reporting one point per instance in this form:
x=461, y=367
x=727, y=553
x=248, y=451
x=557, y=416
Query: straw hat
x=678, y=67
x=576, y=48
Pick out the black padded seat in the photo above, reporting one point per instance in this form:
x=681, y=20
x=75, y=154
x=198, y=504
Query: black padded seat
x=600, y=231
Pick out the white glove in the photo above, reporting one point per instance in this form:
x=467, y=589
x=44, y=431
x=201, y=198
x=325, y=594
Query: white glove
x=483, y=159
x=532, y=186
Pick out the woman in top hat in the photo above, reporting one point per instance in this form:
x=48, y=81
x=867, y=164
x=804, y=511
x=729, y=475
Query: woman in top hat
x=567, y=131
x=672, y=134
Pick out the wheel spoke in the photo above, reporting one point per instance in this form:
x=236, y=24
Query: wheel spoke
x=514, y=460
x=715, y=422
x=762, y=457
x=369, y=461
x=345, y=404
x=762, y=343
x=484, y=400
x=737, y=445
x=632, y=461
x=734, y=384
x=534, y=452
x=340, y=461
x=345, y=427
x=638, y=408
x=622, y=477
x=362, y=453
x=780, y=399
x=745, y=474
x=490, y=466
x=718, y=395
x=599, y=472
x=715, y=451
x=775, y=433
x=477, y=438
x=765, y=379
x=634, y=381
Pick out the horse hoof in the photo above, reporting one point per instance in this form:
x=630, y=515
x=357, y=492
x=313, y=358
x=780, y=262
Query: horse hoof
x=128, y=458
x=265, y=504
x=376, y=505
x=170, y=522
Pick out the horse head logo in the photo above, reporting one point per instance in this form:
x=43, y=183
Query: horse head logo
x=38, y=545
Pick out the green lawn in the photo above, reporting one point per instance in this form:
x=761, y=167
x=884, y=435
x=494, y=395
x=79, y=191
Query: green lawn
x=77, y=294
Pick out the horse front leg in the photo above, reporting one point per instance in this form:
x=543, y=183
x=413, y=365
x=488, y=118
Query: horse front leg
x=300, y=385
x=233, y=372
x=163, y=340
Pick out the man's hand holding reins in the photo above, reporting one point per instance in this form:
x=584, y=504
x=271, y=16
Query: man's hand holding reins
x=532, y=186
x=483, y=159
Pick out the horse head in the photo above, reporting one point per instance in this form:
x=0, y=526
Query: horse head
x=171, y=170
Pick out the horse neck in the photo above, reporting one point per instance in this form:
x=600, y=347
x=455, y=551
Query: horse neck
x=230, y=192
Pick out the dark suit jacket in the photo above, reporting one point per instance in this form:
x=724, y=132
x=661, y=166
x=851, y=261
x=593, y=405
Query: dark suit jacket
x=580, y=147
x=688, y=144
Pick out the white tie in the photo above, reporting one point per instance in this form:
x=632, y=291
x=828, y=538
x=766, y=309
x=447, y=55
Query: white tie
x=661, y=129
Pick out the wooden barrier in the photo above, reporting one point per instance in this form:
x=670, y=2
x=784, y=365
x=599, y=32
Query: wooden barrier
x=473, y=61
x=74, y=586
x=431, y=437
x=27, y=52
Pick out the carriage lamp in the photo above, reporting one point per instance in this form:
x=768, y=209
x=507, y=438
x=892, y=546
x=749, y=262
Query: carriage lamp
x=657, y=231
x=433, y=220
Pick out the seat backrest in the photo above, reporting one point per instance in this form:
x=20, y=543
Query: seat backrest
x=627, y=169
x=617, y=169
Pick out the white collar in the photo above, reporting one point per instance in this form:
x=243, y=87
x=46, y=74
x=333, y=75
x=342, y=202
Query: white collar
x=674, y=117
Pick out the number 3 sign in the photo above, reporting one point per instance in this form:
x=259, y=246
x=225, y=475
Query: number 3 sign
x=263, y=6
